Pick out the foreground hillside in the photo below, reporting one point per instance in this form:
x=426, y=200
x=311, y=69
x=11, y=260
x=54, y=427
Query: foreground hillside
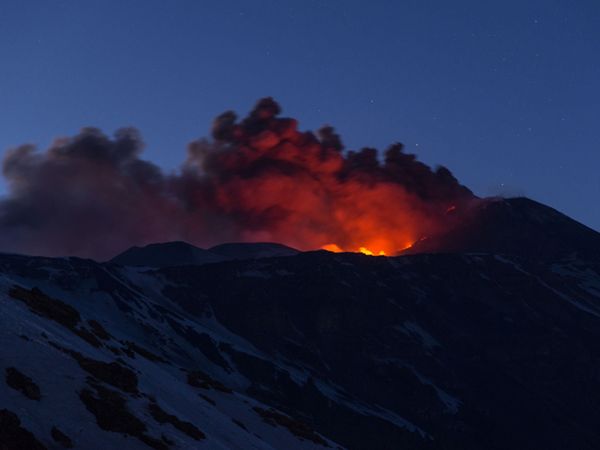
x=449, y=351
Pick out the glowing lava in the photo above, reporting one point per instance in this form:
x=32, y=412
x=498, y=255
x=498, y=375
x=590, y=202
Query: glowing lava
x=364, y=250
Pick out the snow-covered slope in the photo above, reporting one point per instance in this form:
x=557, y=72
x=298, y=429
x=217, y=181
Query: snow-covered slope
x=308, y=351
x=115, y=367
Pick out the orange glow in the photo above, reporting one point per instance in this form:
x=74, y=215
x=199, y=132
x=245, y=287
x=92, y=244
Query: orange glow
x=332, y=248
x=269, y=182
x=364, y=250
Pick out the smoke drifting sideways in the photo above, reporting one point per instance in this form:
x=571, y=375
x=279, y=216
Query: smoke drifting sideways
x=256, y=179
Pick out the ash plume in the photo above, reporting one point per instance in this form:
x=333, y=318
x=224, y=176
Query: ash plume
x=256, y=179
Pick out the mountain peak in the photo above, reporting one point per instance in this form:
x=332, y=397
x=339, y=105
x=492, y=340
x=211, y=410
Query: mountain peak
x=165, y=254
x=515, y=226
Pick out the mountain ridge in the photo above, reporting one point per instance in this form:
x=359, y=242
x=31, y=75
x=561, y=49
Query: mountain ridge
x=181, y=253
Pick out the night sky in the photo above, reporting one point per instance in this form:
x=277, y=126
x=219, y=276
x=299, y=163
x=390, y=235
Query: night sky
x=505, y=94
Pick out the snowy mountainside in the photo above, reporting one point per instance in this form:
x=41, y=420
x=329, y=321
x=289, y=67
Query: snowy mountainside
x=95, y=347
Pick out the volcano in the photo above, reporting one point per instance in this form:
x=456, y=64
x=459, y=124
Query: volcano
x=483, y=337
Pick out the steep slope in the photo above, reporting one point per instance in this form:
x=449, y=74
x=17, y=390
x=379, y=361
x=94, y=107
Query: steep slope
x=433, y=351
x=89, y=359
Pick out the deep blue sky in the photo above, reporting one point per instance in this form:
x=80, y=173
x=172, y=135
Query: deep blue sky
x=506, y=94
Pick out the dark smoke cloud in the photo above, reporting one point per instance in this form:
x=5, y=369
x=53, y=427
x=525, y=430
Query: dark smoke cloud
x=256, y=179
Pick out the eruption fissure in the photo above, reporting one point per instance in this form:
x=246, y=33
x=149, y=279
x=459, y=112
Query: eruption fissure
x=257, y=179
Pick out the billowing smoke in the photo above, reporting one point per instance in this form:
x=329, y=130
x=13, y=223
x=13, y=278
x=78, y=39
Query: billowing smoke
x=258, y=179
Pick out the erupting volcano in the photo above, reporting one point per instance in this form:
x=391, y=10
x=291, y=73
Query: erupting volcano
x=257, y=179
